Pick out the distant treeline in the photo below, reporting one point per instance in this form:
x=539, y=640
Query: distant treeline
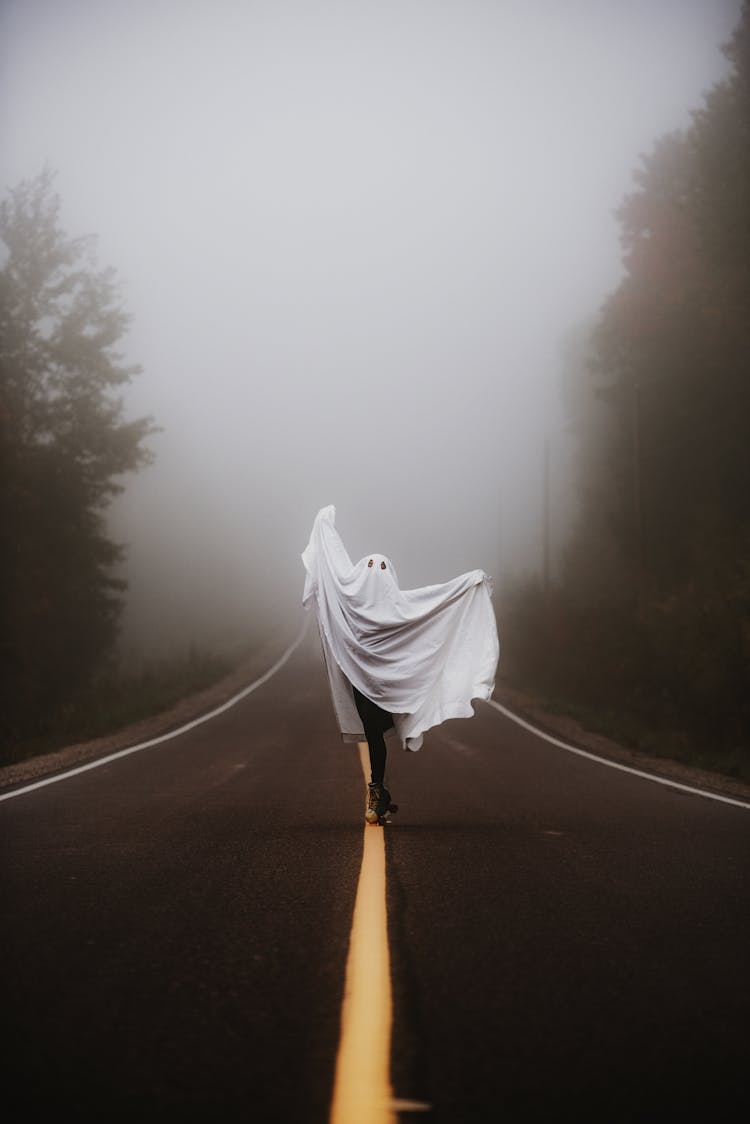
x=648, y=626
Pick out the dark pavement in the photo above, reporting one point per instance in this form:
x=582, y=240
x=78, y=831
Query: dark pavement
x=568, y=941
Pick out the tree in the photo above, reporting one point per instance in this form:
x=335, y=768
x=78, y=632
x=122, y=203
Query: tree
x=674, y=336
x=64, y=442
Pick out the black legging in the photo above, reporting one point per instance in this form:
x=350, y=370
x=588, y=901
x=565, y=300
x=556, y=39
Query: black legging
x=375, y=721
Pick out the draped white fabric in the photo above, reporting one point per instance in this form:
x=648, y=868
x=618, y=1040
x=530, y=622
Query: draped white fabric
x=420, y=654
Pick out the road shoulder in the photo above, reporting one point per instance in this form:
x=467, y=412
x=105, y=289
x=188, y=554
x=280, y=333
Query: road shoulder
x=532, y=710
x=187, y=710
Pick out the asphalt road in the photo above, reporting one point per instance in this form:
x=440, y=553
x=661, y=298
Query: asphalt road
x=567, y=941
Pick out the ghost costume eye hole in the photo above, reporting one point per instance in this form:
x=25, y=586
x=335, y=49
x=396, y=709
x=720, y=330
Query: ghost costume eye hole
x=382, y=565
x=370, y=564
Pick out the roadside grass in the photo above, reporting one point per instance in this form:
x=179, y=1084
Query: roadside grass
x=117, y=700
x=625, y=729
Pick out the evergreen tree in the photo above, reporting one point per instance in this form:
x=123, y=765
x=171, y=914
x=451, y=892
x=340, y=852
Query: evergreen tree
x=64, y=442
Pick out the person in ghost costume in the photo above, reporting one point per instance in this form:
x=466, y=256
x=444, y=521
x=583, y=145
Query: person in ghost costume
x=397, y=660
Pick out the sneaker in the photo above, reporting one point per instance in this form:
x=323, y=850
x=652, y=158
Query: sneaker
x=378, y=803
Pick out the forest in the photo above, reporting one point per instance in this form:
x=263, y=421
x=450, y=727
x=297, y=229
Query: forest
x=645, y=634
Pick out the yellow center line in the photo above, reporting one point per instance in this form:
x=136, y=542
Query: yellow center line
x=362, y=1092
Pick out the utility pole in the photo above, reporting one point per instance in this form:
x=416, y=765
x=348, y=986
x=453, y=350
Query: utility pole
x=637, y=499
x=546, y=517
x=637, y=468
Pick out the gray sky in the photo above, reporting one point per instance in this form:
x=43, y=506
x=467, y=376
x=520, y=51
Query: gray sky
x=354, y=238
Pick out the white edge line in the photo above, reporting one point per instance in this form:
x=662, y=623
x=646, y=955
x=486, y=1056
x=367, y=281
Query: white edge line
x=615, y=764
x=163, y=737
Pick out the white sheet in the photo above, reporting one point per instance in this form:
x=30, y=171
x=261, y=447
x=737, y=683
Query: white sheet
x=420, y=654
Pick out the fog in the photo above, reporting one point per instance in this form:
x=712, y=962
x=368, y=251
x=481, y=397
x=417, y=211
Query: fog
x=355, y=239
